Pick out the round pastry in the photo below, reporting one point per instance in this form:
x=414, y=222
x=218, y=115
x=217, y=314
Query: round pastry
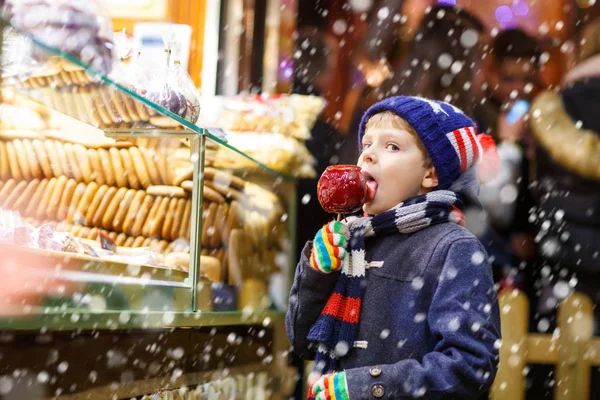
x=93, y=234
x=159, y=219
x=4, y=165
x=13, y=162
x=121, y=239
x=169, y=218
x=97, y=171
x=139, y=166
x=27, y=195
x=81, y=157
x=129, y=169
x=215, y=236
x=161, y=163
x=142, y=215
x=22, y=159
x=34, y=164
x=183, y=175
x=65, y=200
x=151, y=166
x=13, y=195
x=120, y=173
x=138, y=241
x=113, y=207
x=42, y=208
x=179, y=210
x=128, y=241
x=84, y=232
x=37, y=197
x=166, y=191
x=119, y=218
x=223, y=178
x=75, y=200
x=40, y=152
x=84, y=204
x=63, y=160
x=186, y=222
x=107, y=166
x=94, y=204
x=103, y=206
x=208, y=224
x=74, y=170
x=133, y=211
x=52, y=154
x=59, y=189
x=151, y=215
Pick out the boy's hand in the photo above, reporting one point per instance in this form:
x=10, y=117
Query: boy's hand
x=329, y=247
x=330, y=387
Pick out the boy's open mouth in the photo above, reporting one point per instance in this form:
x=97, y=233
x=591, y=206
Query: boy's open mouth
x=371, y=186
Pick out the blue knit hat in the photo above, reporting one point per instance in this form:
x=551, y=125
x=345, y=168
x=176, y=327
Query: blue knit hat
x=446, y=132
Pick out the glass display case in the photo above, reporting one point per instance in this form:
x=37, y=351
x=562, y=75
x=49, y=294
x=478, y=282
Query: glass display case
x=136, y=217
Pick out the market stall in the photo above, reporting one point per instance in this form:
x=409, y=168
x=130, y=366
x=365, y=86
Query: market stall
x=159, y=248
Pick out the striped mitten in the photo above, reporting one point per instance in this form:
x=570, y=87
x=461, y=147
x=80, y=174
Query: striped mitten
x=330, y=387
x=329, y=247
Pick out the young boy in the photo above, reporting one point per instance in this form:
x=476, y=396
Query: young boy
x=408, y=307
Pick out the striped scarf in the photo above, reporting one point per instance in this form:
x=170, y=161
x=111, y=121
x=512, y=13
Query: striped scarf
x=336, y=328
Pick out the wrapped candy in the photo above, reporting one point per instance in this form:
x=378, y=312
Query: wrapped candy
x=126, y=69
x=80, y=28
x=172, y=88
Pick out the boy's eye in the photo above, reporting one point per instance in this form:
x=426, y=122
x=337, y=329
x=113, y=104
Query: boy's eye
x=365, y=145
x=392, y=147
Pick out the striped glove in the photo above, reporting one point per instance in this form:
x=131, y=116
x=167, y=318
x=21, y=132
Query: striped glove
x=330, y=387
x=329, y=247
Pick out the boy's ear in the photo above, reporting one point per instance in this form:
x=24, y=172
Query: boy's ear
x=430, y=180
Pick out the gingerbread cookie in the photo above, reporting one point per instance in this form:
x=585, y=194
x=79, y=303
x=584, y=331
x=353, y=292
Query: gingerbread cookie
x=119, y=218
x=121, y=239
x=84, y=204
x=156, y=224
x=13, y=162
x=55, y=197
x=34, y=164
x=37, y=197
x=42, y=157
x=13, y=195
x=65, y=200
x=120, y=173
x=4, y=164
x=27, y=195
x=142, y=215
x=94, y=204
x=151, y=166
x=128, y=241
x=113, y=207
x=22, y=159
x=177, y=221
x=129, y=169
x=75, y=200
x=42, y=207
x=208, y=224
x=97, y=171
x=166, y=191
x=138, y=241
x=52, y=154
x=139, y=165
x=73, y=168
x=169, y=218
x=103, y=206
x=107, y=166
x=151, y=215
x=133, y=211
x=184, y=232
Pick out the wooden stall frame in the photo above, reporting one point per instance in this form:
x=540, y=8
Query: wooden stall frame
x=571, y=348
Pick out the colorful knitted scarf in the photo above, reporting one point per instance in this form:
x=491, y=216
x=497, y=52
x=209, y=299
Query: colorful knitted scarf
x=335, y=330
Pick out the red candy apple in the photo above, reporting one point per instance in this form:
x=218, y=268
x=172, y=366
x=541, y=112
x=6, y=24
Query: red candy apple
x=342, y=189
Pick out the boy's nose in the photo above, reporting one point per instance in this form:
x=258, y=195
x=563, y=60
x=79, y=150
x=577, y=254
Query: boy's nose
x=368, y=155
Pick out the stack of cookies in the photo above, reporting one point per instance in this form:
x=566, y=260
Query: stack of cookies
x=139, y=196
